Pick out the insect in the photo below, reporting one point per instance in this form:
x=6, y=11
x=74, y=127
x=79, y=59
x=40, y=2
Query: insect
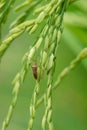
x=34, y=69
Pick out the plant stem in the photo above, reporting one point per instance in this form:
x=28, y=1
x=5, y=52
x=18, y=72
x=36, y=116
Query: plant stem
x=0, y=34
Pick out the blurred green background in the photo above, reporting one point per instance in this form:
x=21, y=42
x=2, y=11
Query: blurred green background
x=70, y=99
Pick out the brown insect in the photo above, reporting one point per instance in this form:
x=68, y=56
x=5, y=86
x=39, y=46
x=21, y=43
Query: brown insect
x=34, y=69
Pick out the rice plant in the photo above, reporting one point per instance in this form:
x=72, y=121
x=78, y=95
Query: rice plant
x=47, y=22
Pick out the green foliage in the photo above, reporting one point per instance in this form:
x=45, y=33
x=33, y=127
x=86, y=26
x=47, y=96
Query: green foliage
x=48, y=17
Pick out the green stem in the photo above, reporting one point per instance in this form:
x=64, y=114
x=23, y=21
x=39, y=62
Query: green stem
x=0, y=34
